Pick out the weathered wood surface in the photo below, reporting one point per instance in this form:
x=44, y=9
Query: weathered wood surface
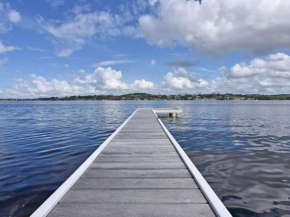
x=139, y=173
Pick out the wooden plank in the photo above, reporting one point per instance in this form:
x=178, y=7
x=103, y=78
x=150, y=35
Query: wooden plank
x=138, y=166
x=137, y=160
x=134, y=136
x=136, y=130
x=129, y=154
x=138, y=149
x=140, y=133
x=180, y=196
x=131, y=210
x=136, y=142
x=143, y=125
x=142, y=183
x=134, y=145
x=142, y=128
x=137, y=174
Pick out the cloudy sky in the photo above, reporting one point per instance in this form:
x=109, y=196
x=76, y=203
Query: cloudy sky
x=79, y=47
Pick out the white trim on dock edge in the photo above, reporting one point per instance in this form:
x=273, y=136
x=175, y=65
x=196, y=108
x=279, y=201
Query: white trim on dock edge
x=215, y=203
x=50, y=203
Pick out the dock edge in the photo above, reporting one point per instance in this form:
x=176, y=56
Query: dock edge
x=215, y=203
x=51, y=202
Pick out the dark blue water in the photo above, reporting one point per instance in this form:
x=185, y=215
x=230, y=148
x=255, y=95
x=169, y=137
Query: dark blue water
x=241, y=147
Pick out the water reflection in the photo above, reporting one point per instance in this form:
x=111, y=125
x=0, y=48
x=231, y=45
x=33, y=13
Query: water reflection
x=242, y=148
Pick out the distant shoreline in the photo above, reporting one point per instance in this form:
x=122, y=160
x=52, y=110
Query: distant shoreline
x=159, y=97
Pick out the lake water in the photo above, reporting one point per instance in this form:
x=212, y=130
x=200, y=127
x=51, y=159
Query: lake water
x=241, y=147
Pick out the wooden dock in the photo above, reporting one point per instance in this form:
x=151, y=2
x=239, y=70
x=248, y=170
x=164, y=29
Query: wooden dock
x=140, y=170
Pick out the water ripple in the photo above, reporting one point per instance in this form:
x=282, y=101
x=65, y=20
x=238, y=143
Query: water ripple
x=241, y=148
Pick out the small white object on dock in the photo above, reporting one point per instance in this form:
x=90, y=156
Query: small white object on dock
x=173, y=112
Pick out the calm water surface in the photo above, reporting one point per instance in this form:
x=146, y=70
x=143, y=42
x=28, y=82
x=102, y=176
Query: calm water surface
x=241, y=148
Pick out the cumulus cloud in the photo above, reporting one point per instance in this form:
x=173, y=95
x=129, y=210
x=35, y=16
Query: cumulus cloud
x=242, y=70
x=277, y=65
x=218, y=26
x=143, y=84
x=38, y=86
x=8, y=17
x=110, y=79
x=14, y=16
x=4, y=49
x=42, y=86
x=180, y=62
x=101, y=81
x=152, y=62
x=270, y=75
x=111, y=62
x=180, y=79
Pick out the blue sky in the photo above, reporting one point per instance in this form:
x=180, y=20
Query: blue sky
x=61, y=47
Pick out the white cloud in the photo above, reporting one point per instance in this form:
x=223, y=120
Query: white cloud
x=4, y=49
x=152, y=2
x=153, y=62
x=242, y=71
x=66, y=65
x=180, y=79
x=56, y=3
x=218, y=26
x=36, y=49
x=8, y=17
x=65, y=52
x=105, y=79
x=111, y=62
x=81, y=24
x=206, y=69
x=270, y=75
x=61, y=86
x=41, y=84
x=101, y=81
x=110, y=79
x=275, y=65
x=3, y=61
x=82, y=71
x=73, y=33
x=14, y=16
x=77, y=9
x=143, y=84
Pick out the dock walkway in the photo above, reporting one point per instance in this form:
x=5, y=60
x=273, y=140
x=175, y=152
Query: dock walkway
x=139, y=172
